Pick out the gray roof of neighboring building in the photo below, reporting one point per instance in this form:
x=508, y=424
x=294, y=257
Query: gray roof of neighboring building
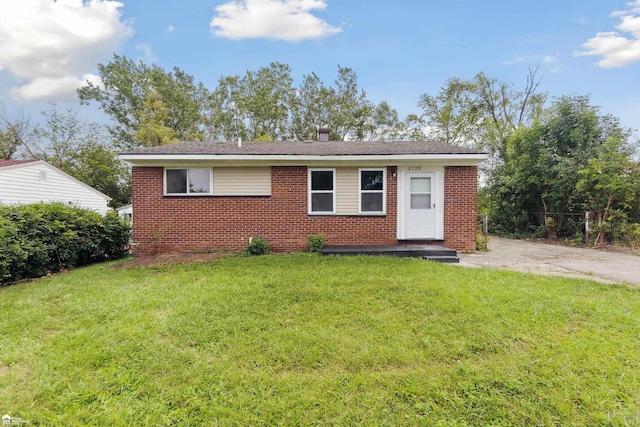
x=302, y=148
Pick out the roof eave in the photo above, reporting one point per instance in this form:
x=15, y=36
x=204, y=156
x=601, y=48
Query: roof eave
x=160, y=159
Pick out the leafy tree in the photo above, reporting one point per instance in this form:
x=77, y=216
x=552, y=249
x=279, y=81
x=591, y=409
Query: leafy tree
x=254, y=106
x=14, y=134
x=382, y=125
x=349, y=110
x=455, y=114
x=9, y=144
x=98, y=166
x=264, y=105
x=311, y=108
x=482, y=112
x=506, y=109
x=552, y=167
x=412, y=128
x=83, y=151
x=609, y=182
x=154, y=120
x=143, y=100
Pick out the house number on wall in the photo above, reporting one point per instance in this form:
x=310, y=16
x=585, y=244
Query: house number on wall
x=414, y=168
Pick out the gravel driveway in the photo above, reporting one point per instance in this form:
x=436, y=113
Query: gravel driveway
x=543, y=258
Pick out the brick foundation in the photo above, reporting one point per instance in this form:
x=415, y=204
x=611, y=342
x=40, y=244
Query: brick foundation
x=165, y=224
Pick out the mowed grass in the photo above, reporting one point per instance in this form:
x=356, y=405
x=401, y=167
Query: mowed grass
x=307, y=340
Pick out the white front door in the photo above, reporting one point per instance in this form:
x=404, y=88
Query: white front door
x=420, y=205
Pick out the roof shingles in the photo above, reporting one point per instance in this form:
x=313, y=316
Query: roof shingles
x=4, y=163
x=301, y=148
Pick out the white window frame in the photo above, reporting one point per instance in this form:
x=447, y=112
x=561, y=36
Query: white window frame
x=310, y=191
x=383, y=191
x=210, y=193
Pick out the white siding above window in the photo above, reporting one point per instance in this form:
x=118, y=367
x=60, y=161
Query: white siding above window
x=347, y=191
x=250, y=181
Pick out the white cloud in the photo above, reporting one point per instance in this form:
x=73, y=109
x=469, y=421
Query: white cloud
x=617, y=48
x=534, y=58
x=51, y=45
x=288, y=20
x=170, y=29
x=147, y=54
x=48, y=88
x=632, y=7
x=515, y=60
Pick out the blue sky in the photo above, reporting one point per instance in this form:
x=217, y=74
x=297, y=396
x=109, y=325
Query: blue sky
x=399, y=49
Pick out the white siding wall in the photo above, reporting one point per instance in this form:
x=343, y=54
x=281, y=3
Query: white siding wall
x=347, y=191
x=242, y=181
x=22, y=184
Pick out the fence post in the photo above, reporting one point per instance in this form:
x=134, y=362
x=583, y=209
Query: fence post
x=587, y=227
x=486, y=228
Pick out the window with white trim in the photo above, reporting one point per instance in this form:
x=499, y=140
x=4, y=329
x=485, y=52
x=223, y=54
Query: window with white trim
x=371, y=191
x=322, y=191
x=188, y=181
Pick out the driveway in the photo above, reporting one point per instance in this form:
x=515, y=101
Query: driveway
x=543, y=258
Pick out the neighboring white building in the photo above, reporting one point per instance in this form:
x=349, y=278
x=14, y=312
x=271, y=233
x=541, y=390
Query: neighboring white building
x=126, y=213
x=34, y=181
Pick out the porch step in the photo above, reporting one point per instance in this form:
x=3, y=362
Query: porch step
x=430, y=252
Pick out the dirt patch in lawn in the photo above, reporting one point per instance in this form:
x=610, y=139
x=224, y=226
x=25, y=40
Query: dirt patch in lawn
x=167, y=259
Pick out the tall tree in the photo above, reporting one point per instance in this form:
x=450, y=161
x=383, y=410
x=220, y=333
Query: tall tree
x=83, y=150
x=482, y=112
x=311, y=108
x=350, y=108
x=382, y=124
x=155, y=119
x=608, y=183
x=14, y=135
x=454, y=115
x=552, y=167
x=264, y=105
x=130, y=93
x=506, y=109
x=256, y=105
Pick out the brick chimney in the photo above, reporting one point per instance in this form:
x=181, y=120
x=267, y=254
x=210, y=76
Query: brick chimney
x=323, y=134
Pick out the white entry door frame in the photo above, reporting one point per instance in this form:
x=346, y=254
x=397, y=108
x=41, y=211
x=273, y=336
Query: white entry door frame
x=420, y=203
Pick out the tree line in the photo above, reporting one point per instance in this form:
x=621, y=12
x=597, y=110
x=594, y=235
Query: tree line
x=546, y=156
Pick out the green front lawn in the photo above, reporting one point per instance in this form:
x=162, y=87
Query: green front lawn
x=308, y=340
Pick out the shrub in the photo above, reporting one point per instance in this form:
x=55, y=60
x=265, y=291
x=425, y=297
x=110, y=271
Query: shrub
x=482, y=242
x=316, y=242
x=629, y=235
x=257, y=246
x=45, y=238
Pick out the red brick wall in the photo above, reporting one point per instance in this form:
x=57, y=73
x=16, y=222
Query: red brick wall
x=163, y=224
x=461, y=207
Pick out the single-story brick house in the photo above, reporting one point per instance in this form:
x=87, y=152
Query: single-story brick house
x=196, y=195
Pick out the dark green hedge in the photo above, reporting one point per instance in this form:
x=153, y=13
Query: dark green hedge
x=44, y=238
